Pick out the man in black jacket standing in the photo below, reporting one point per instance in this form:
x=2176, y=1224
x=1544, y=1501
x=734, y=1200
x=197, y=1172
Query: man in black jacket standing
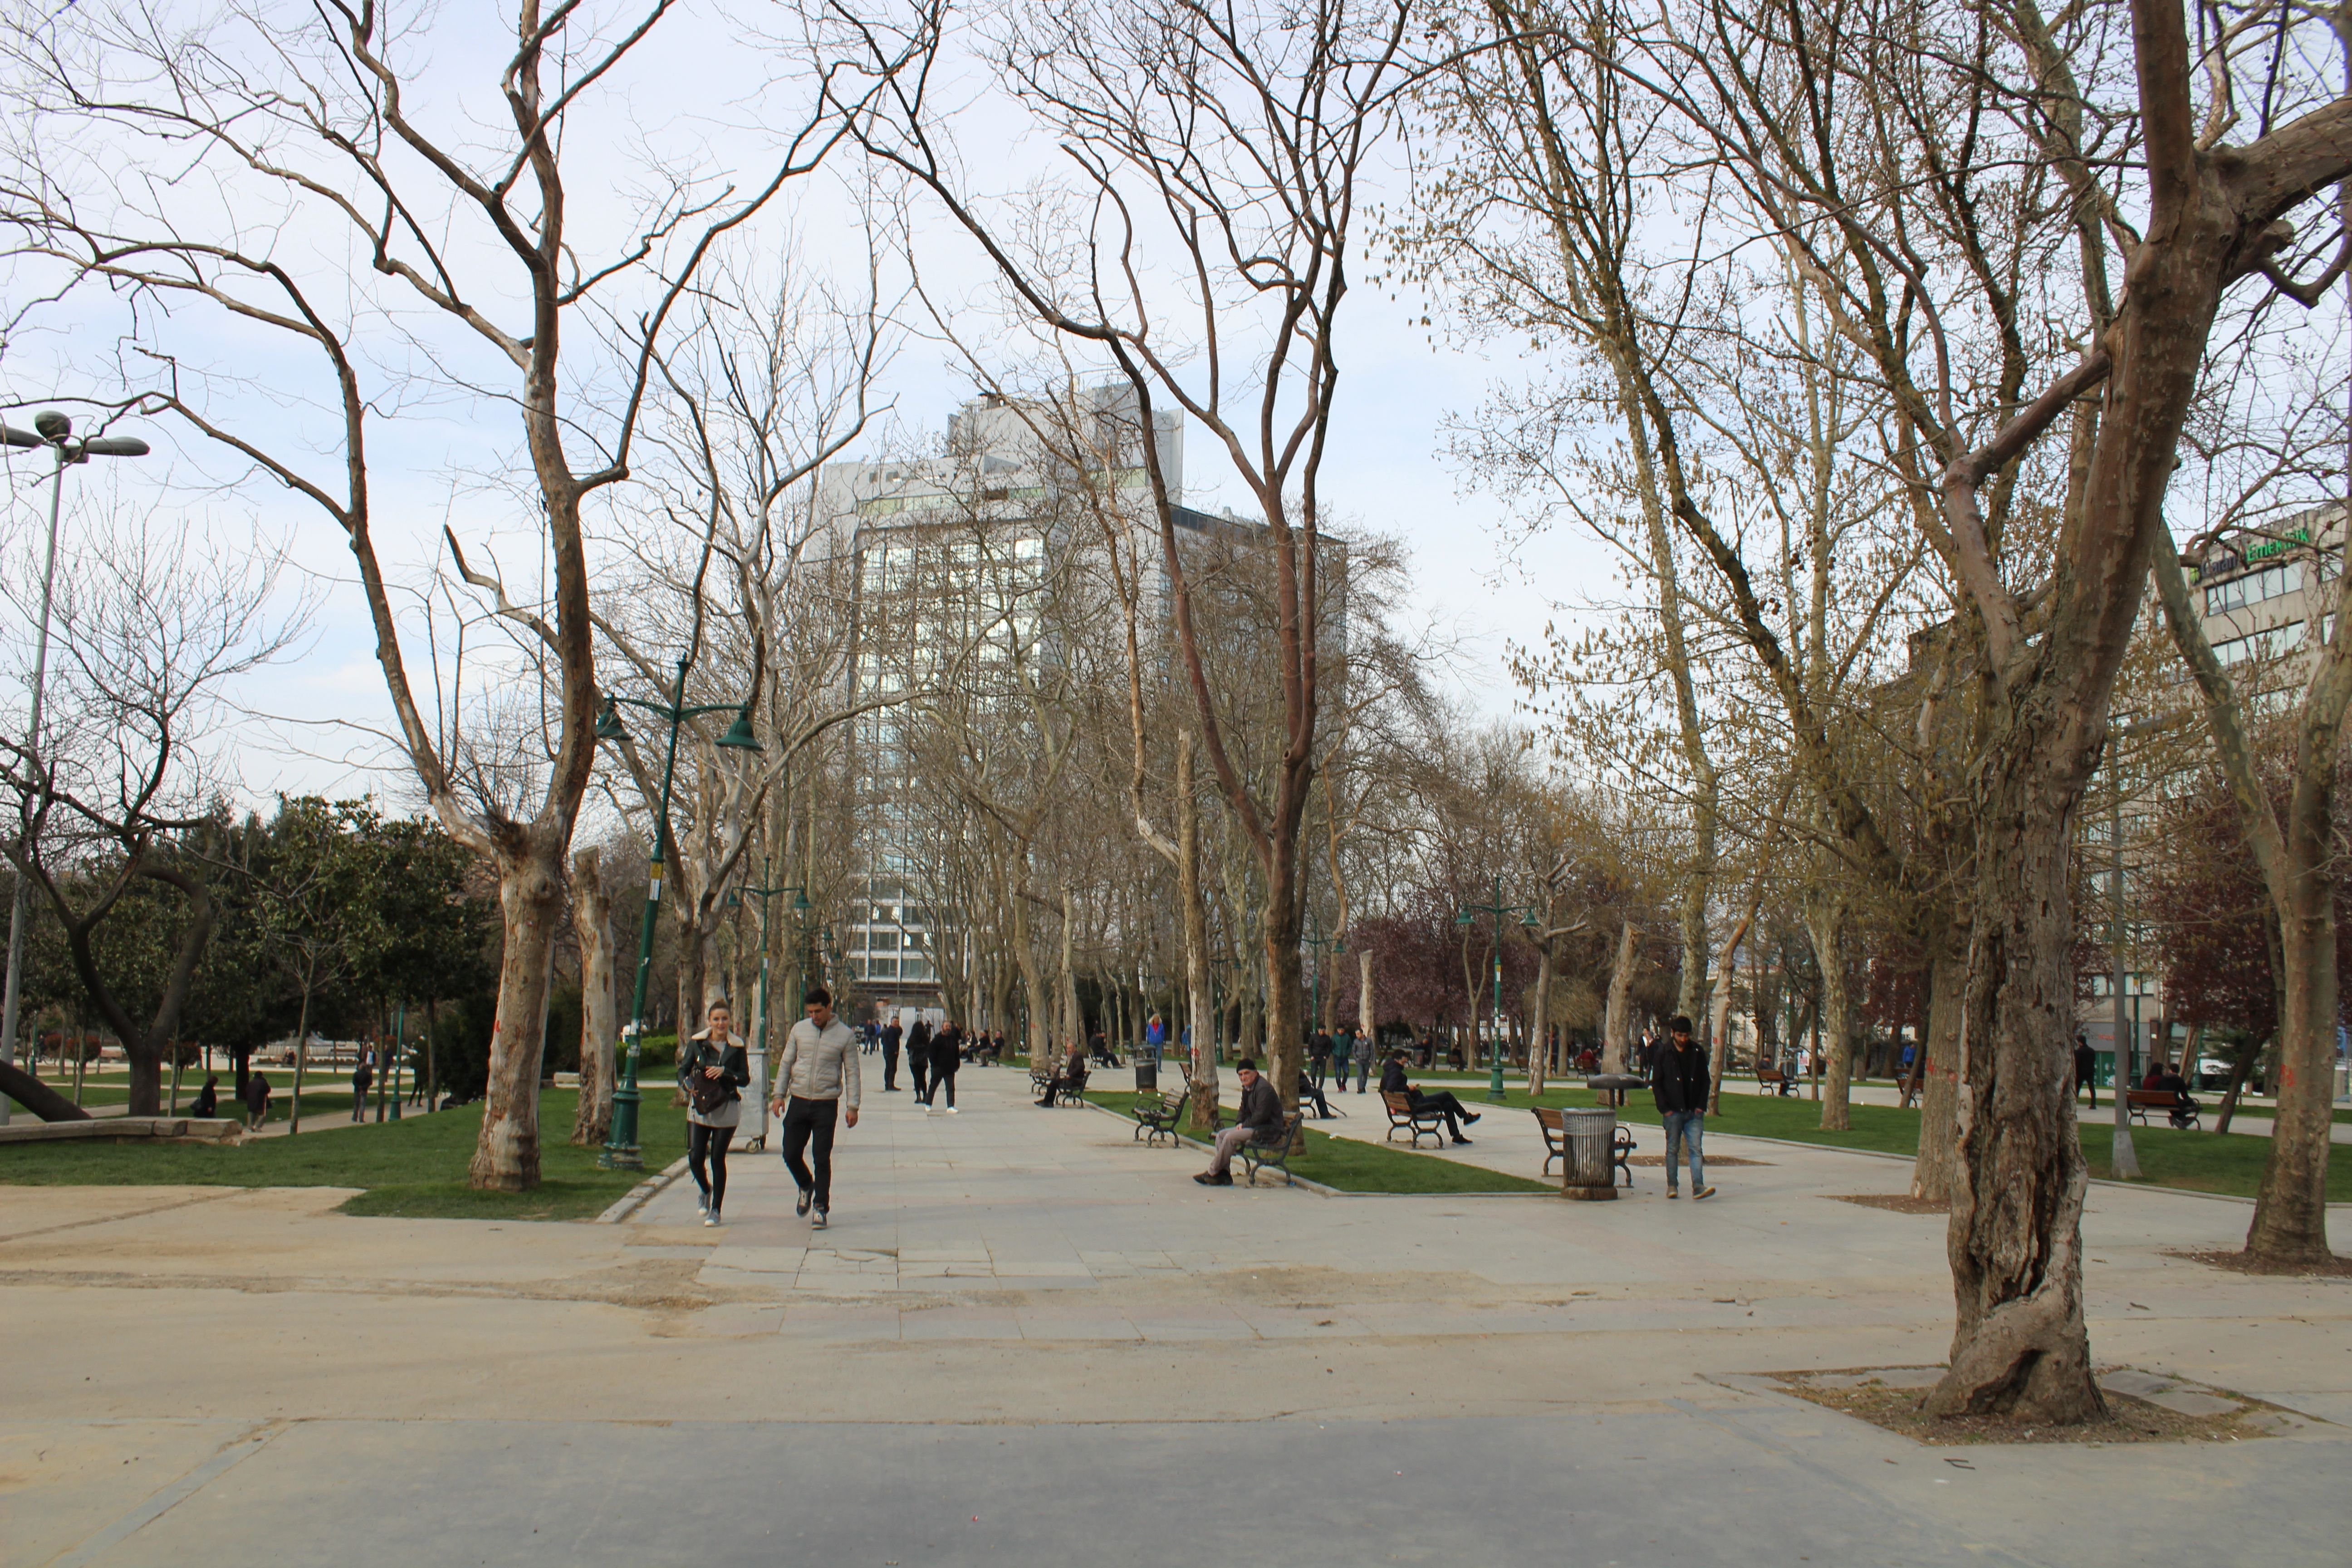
x=891, y=1036
x=1680, y=1083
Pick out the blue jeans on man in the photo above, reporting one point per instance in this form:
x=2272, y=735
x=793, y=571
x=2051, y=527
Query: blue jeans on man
x=1684, y=1130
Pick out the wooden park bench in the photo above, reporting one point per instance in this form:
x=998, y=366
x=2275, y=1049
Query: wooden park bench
x=1156, y=1115
x=1620, y=1144
x=1771, y=1079
x=1405, y=1118
x=2173, y=1103
x=1270, y=1151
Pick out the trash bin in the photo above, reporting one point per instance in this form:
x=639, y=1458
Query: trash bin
x=1587, y=1135
x=1147, y=1075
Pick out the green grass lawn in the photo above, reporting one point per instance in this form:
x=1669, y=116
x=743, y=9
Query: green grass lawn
x=415, y=1167
x=1355, y=1167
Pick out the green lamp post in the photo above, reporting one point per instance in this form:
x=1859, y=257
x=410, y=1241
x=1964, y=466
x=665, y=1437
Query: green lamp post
x=1497, y=909
x=621, y=1151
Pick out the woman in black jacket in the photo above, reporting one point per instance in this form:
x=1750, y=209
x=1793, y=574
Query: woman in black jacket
x=713, y=1071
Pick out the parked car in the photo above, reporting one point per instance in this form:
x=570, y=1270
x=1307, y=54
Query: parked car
x=2213, y=1072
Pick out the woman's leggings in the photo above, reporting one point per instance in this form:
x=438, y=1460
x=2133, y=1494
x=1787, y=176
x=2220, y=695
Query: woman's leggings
x=709, y=1142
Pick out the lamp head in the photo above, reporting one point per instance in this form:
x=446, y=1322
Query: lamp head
x=1466, y=920
x=1528, y=921
x=608, y=723
x=800, y=905
x=53, y=426
x=739, y=735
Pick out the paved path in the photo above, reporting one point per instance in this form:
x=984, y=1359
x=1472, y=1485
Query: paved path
x=1027, y=1338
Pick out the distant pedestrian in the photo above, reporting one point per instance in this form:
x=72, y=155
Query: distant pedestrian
x=1679, y=1083
x=1155, y=1039
x=714, y=1071
x=890, y=1038
x=1343, y=1046
x=208, y=1101
x=919, y=1058
x=257, y=1101
x=947, y=1054
x=819, y=1071
x=2087, y=1067
x=362, y=1080
x=1364, y=1063
x=1319, y=1057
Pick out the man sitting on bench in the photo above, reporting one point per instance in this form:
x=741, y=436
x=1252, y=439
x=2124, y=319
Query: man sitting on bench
x=1072, y=1080
x=1443, y=1101
x=2184, y=1110
x=1261, y=1113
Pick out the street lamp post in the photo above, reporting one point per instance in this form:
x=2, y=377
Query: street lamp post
x=55, y=431
x=1469, y=916
x=621, y=1150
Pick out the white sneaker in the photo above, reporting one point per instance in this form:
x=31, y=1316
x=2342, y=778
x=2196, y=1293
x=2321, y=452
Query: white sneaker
x=951, y=1110
x=709, y=1218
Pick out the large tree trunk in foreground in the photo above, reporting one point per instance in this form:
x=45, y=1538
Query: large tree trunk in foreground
x=592, y=924
x=2019, y=1347
x=1935, y=1170
x=530, y=896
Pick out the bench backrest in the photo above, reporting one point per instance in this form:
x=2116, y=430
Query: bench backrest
x=1398, y=1102
x=1278, y=1137
x=1548, y=1116
x=2154, y=1096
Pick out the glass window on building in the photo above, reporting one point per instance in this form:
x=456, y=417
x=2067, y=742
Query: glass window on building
x=882, y=968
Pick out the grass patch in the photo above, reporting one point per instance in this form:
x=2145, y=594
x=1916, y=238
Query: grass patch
x=413, y=1168
x=1356, y=1167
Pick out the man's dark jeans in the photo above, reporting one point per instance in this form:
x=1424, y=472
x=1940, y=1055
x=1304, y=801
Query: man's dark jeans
x=1443, y=1102
x=806, y=1122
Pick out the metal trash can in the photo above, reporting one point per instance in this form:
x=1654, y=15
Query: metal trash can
x=1587, y=1135
x=1147, y=1075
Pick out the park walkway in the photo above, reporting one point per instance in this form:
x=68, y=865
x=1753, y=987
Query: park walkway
x=1028, y=1337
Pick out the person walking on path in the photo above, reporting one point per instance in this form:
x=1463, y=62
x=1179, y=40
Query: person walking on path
x=1261, y=1111
x=1155, y=1039
x=1679, y=1084
x=363, y=1079
x=714, y=1071
x=947, y=1054
x=1444, y=1103
x=890, y=1038
x=1364, y=1064
x=919, y=1058
x=1319, y=1057
x=257, y=1101
x=1343, y=1046
x=2087, y=1067
x=819, y=1071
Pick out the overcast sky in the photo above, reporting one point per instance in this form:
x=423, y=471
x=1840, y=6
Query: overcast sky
x=1385, y=471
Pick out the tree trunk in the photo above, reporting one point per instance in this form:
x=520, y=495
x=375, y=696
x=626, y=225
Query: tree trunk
x=2290, y=1225
x=506, y=1155
x=592, y=924
x=1617, y=1023
x=2019, y=1346
x=37, y=1097
x=1542, y=1024
x=1935, y=1170
x=301, y=1060
x=1189, y=891
x=1366, y=1017
x=1825, y=917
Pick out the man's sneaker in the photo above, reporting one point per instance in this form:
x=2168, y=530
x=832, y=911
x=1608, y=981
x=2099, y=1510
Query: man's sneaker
x=823, y=1218
x=1206, y=1178
x=1674, y=1192
x=806, y=1197
x=1470, y=1116
x=1703, y=1193
x=951, y=1110
x=1462, y=1142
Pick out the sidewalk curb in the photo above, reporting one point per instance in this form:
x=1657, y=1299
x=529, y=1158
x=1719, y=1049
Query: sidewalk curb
x=643, y=1192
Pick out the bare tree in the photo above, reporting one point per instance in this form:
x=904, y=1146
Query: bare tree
x=273, y=118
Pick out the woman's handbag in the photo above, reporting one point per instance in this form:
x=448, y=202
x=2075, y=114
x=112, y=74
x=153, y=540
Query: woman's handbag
x=707, y=1094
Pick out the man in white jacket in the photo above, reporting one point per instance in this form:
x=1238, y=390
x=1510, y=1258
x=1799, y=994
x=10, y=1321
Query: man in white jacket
x=818, y=1072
